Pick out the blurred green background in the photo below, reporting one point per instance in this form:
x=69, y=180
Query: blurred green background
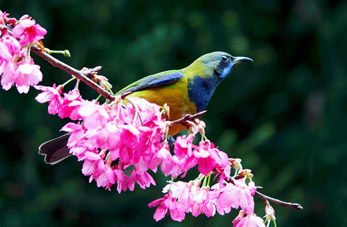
x=285, y=114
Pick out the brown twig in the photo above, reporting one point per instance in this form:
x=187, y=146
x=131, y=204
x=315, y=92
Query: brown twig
x=77, y=73
x=295, y=206
x=91, y=72
x=188, y=117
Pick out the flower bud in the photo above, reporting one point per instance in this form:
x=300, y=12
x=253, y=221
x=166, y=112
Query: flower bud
x=269, y=212
x=236, y=163
x=246, y=173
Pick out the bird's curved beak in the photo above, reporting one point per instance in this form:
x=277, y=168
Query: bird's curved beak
x=238, y=60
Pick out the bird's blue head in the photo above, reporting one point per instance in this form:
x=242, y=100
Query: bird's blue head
x=220, y=63
x=206, y=74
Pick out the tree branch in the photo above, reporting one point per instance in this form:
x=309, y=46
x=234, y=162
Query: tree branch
x=188, y=117
x=295, y=206
x=77, y=73
x=82, y=76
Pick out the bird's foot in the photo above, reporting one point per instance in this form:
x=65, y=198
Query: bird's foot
x=171, y=141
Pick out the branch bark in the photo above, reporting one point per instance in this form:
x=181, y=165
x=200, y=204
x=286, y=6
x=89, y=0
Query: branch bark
x=82, y=76
x=188, y=117
x=295, y=206
x=77, y=73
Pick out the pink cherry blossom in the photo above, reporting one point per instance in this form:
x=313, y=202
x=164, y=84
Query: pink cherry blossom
x=184, y=146
x=107, y=177
x=183, y=158
x=123, y=181
x=3, y=16
x=200, y=202
x=26, y=75
x=77, y=134
x=167, y=163
x=252, y=187
x=194, y=199
x=9, y=54
x=209, y=158
x=205, y=156
x=182, y=191
x=167, y=203
x=94, y=115
x=67, y=106
x=251, y=220
x=234, y=195
x=70, y=105
x=28, y=31
x=91, y=163
x=209, y=207
x=12, y=44
x=8, y=69
x=5, y=55
x=238, y=218
x=51, y=95
x=143, y=179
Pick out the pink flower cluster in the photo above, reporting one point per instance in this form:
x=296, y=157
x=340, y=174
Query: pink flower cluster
x=65, y=106
x=118, y=142
x=186, y=155
x=122, y=141
x=251, y=220
x=182, y=198
x=16, y=65
x=128, y=139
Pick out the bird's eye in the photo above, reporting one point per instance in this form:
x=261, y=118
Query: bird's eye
x=224, y=58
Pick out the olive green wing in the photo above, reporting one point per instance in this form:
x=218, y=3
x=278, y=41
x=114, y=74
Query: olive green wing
x=152, y=81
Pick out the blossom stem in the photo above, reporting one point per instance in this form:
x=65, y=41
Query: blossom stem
x=66, y=53
x=204, y=182
x=137, y=113
x=97, y=99
x=77, y=73
x=109, y=90
x=171, y=181
x=67, y=82
x=209, y=180
x=29, y=50
x=119, y=106
x=77, y=84
x=167, y=132
x=267, y=223
x=295, y=206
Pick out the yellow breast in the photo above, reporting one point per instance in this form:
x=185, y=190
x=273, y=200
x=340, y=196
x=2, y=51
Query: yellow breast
x=175, y=96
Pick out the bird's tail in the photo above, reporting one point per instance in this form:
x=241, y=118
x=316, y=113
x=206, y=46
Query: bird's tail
x=55, y=150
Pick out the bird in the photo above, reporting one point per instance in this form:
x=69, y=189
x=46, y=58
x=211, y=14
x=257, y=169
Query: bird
x=185, y=91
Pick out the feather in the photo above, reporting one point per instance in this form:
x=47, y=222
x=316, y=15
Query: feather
x=153, y=81
x=55, y=150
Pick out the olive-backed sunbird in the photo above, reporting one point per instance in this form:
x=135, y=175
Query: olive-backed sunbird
x=185, y=91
